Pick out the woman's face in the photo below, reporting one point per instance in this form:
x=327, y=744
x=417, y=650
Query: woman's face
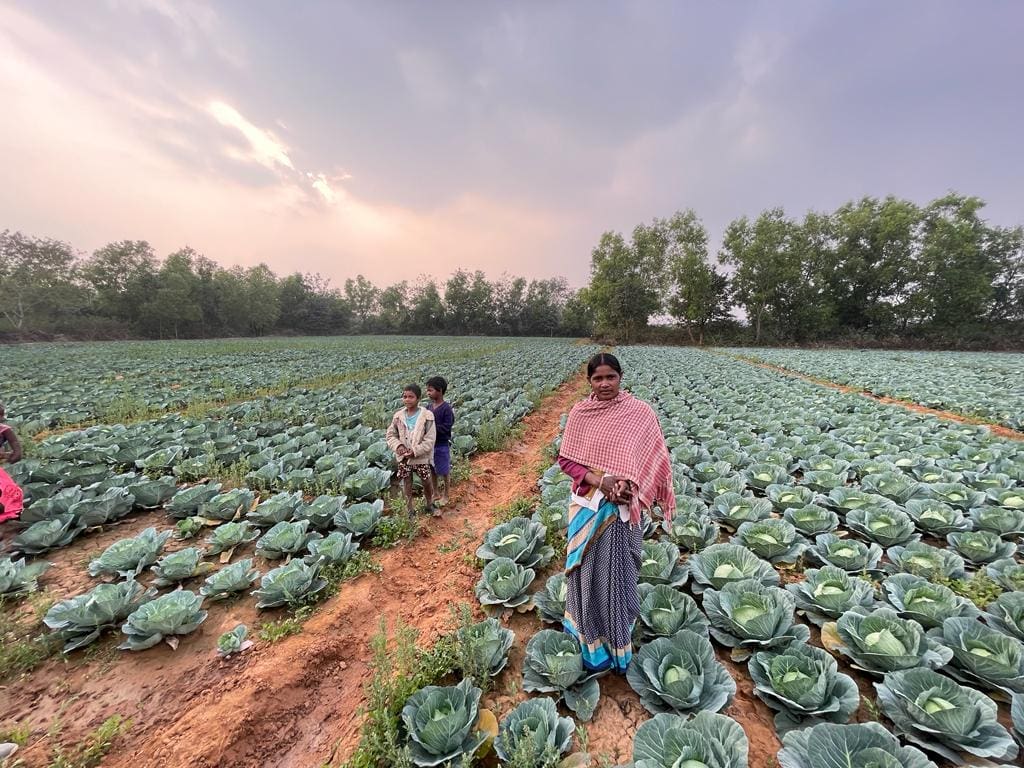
x=409, y=399
x=605, y=382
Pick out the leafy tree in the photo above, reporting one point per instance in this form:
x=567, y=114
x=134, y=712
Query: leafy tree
x=174, y=309
x=395, y=312
x=263, y=297
x=766, y=271
x=38, y=280
x=627, y=280
x=1006, y=246
x=363, y=297
x=958, y=271
x=427, y=307
x=699, y=293
x=123, y=275
x=469, y=302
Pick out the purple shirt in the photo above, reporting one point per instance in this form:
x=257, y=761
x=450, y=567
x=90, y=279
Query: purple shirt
x=444, y=418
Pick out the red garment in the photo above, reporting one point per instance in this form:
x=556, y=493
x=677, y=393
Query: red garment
x=622, y=437
x=577, y=473
x=11, y=498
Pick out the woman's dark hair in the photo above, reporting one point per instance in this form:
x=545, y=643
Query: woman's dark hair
x=414, y=388
x=438, y=383
x=603, y=358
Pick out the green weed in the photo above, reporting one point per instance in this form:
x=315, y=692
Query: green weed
x=980, y=589
x=520, y=507
x=398, y=671
x=395, y=529
x=91, y=750
x=18, y=734
x=273, y=631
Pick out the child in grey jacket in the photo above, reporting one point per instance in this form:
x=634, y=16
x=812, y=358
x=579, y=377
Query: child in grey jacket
x=411, y=435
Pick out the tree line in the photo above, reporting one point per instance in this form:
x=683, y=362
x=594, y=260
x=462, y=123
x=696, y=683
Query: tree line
x=123, y=290
x=872, y=271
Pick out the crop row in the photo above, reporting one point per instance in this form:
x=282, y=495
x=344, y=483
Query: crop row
x=981, y=384
x=50, y=386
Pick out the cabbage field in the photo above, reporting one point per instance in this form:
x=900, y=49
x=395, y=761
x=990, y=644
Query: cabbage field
x=988, y=385
x=842, y=583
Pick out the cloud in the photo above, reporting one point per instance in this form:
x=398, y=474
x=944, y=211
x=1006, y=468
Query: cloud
x=265, y=148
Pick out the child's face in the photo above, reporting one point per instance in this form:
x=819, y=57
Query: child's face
x=434, y=394
x=410, y=399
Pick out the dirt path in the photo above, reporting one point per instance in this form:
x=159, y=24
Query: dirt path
x=996, y=429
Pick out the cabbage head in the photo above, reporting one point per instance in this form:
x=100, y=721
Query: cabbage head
x=664, y=611
x=691, y=531
x=45, y=535
x=782, y=496
x=887, y=527
x=804, y=686
x=180, y=566
x=230, y=505
x=847, y=554
x=1010, y=498
x=936, y=518
x=533, y=734
x=1008, y=573
x=291, y=584
x=822, y=482
x=322, y=510
x=441, y=724
x=150, y=494
x=924, y=560
x=360, y=519
x=79, y=620
x=504, y=583
x=776, y=541
x=226, y=537
x=927, y=603
x=980, y=547
x=721, y=564
x=811, y=519
x=828, y=592
x=17, y=578
x=846, y=499
x=1000, y=520
x=334, y=549
x=943, y=717
x=706, y=740
x=733, y=509
x=285, y=539
x=229, y=580
x=660, y=564
x=519, y=539
x=982, y=656
x=553, y=663
x=164, y=618
x=680, y=674
x=858, y=745
x=367, y=483
x=1005, y=613
x=955, y=495
x=187, y=501
x=127, y=557
x=721, y=486
x=748, y=616
x=896, y=486
x=233, y=641
x=483, y=648
x=706, y=471
x=881, y=641
x=760, y=476
x=550, y=601
x=278, y=508
x=107, y=507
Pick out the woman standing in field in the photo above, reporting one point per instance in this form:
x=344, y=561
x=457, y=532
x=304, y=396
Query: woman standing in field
x=615, y=453
x=11, y=498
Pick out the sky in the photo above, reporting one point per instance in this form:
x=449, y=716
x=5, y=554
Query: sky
x=395, y=139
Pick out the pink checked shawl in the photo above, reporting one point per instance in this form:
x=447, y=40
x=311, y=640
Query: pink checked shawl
x=622, y=437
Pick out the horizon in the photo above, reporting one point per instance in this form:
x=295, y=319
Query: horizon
x=484, y=137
